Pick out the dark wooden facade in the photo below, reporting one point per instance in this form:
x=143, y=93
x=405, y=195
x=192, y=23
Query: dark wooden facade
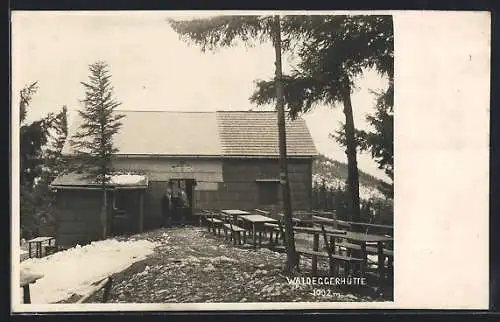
x=246, y=184
x=244, y=179
x=78, y=214
x=241, y=188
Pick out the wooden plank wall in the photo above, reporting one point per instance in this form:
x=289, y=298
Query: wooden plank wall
x=78, y=216
x=152, y=204
x=240, y=189
x=130, y=203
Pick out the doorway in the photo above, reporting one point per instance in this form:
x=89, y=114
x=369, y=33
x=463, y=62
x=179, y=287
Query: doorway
x=184, y=214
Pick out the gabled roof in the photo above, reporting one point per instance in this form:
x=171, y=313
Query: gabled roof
x=207, y=134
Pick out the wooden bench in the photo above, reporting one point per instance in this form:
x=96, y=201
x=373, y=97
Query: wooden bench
x=313, y=230
x=335, y=223
x=235, y=233
x=369, y=249
x=343, y=258
x=352, y=246
x=388, y=274
x=278, y=229
x=50, y=249
x=389, y=254
x=202, y=214
x=262, y=212
x=26, y=279
x=300, y=229
x=273, y=229
x=334, y=260
x=214, y=224
x=329, y=251
x=38, y=241
x=306, y=223
x=272, y=226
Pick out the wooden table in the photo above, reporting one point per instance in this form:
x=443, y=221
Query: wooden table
x=334, y=222
x=38, y=245
x=26, y=279
x=387, y=228
x=234, y=213
x=365, y=238
x=202, y=214
x=324, y=212
x=350, y=223
x=257, y=220
x=307, y=222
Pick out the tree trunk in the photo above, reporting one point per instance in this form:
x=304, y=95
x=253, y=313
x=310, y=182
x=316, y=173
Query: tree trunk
x=292, y=258
x=352, y=163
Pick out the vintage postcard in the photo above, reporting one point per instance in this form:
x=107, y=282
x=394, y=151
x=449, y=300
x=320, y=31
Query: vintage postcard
x=246, y=160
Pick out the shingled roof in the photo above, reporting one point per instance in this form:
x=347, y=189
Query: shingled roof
x=248, y=133
x=210, y=134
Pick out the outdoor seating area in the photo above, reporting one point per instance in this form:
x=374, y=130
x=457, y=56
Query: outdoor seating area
x=41, y=246
x=347, y=251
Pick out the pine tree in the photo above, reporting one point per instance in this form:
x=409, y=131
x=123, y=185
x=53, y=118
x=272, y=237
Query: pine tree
x=54, y=160
x=380, y=141
x=25, y=96
x=93, y=142
x=33, y=136
x=34, y=198
x=53, y=164
x=333, y=51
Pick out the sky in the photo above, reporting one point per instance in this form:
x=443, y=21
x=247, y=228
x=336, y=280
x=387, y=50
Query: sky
x=152, y=69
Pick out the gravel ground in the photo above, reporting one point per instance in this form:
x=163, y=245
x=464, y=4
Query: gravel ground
x=190, y=265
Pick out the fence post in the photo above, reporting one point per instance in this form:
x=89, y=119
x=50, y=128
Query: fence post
x=107, y=289
x=314, y=262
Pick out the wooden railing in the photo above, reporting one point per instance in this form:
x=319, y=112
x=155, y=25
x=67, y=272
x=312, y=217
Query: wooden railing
x=102, y=284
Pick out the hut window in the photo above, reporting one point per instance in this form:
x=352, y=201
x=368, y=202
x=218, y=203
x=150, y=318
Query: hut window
x=268, y=192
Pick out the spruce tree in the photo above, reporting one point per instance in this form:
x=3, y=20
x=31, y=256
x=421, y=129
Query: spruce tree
x=93, y=142
x=334, y=51
x=380, y=140
x=32, y=136
x=55, y=162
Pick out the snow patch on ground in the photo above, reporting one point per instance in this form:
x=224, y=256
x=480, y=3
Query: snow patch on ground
x=74, y=270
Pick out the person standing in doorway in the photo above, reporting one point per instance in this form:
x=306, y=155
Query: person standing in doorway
x=167, y=208
x=175, y=204
x=183, y=205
